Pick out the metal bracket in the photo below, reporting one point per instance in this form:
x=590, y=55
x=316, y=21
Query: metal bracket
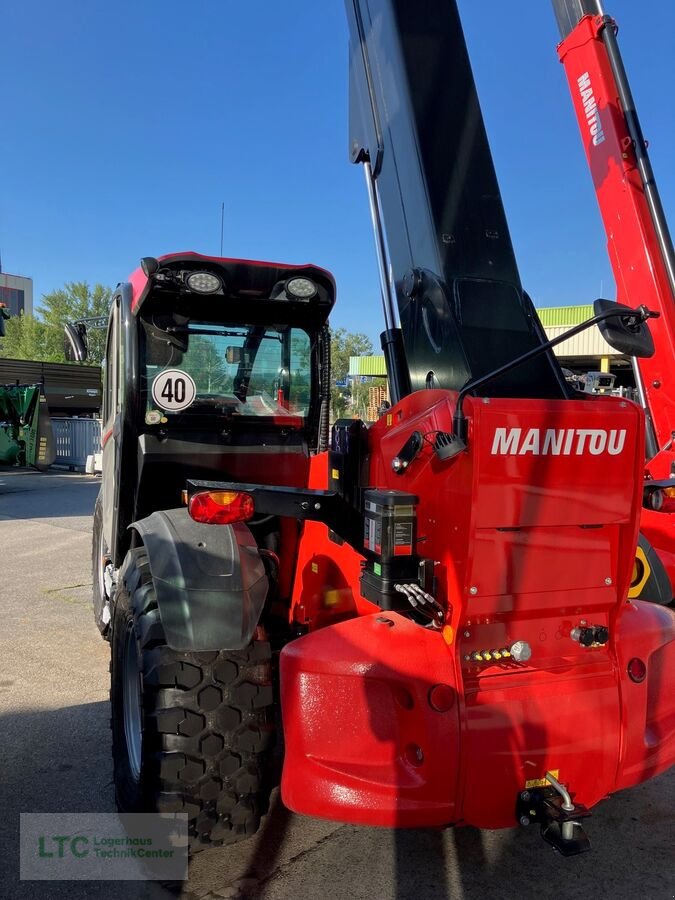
x=560, y=827
x=296, y=503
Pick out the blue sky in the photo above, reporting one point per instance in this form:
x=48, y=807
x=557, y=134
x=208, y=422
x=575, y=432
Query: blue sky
x=126, y=124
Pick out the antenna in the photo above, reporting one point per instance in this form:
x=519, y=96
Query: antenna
x=222, y=222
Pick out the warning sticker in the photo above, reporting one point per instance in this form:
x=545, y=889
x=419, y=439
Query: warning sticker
x=403, y=532
x=541, y=782
x=173, y=390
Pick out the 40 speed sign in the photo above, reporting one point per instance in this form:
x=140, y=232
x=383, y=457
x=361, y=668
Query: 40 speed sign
x=173, y=390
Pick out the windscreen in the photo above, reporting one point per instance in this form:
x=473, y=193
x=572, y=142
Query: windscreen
x=194, y=368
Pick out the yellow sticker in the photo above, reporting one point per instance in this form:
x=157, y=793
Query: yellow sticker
x=335, y=474
x=315, y=568
x=542, y=782
x=331, y=598
x=390, y=420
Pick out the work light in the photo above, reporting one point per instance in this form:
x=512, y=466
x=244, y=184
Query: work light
x=203, y=282
x=300, y=288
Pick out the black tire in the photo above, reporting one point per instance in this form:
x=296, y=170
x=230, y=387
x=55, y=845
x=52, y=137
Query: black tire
x=99, y=554
x=207, y=721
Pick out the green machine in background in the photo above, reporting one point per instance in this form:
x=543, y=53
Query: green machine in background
x=26, y=437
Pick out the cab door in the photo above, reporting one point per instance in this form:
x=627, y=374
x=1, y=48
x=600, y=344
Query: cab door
x=111, y=430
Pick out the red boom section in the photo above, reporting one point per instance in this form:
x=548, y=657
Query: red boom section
x=636, y=259
x=533, y=534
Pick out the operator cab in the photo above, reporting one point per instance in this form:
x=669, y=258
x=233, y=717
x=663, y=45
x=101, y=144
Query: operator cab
x=230, y=355
x=214, y=368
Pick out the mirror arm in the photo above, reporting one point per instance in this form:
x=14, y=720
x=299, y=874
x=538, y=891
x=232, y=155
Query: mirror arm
x=459, y=429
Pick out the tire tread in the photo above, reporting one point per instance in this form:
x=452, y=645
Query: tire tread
x=208, y=724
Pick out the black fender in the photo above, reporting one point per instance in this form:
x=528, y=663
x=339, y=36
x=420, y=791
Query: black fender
x=209, y=580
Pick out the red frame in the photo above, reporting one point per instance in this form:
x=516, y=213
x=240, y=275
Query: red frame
x=523, y=545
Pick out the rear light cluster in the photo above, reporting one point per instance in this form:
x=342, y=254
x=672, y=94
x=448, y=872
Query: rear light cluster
x=221, y=507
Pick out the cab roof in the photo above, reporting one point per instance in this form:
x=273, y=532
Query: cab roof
x=241, y=279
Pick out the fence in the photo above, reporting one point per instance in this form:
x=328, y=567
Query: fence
x=75, y=440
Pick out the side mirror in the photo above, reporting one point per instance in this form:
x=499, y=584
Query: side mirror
x=75, y=342
x=233, y=354
x=629, y=333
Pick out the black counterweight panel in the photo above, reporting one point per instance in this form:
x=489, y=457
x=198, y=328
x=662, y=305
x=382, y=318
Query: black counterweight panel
x=414, y=112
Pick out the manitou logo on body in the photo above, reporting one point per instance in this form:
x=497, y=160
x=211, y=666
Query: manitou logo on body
x=558, y=441
x=591, y=109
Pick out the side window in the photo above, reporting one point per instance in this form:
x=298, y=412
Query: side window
x=110, y=397
x=121, y=380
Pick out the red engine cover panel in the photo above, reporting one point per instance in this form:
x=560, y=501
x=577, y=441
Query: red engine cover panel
x=363, y=743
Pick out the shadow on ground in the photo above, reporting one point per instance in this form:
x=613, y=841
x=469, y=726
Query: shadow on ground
x=25, y=494
x=59, y=760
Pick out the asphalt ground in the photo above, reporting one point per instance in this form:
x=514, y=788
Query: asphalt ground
x=55, y=757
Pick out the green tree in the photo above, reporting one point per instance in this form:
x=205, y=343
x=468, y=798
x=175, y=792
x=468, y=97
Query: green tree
x=344, y=344
x=206, y=364
x=40, y=337
x=28, y=338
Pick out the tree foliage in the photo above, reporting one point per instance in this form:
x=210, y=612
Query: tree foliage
x=344, y=344
x=27, y=338
x=207, y=367
x=40, y=337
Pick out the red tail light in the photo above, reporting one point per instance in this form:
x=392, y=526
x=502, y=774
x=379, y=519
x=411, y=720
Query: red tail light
x=221, y=507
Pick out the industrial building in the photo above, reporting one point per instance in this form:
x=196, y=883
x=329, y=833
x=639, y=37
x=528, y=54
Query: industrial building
x=16, y=292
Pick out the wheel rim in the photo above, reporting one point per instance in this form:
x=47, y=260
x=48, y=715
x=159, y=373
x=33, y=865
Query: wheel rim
x=133, y=719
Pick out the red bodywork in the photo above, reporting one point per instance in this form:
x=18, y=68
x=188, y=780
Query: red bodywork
x=532, y=532
x=636, y=258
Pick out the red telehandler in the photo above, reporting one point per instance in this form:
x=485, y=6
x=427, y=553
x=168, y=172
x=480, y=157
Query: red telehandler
x=434, y=610
x=641, y=254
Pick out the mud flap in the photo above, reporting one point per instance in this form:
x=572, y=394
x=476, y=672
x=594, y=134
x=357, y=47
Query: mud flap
x=209, y=580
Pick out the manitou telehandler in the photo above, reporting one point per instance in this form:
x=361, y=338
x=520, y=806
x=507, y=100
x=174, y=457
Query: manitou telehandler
x=433, y=610
x=641, y=255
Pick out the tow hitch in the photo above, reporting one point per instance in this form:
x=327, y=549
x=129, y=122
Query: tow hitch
x=558, y=816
